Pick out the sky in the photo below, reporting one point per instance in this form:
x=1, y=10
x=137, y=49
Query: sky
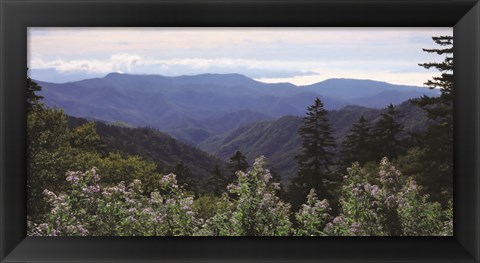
x=300, y=56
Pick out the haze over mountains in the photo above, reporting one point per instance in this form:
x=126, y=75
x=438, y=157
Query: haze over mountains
x=195, y=108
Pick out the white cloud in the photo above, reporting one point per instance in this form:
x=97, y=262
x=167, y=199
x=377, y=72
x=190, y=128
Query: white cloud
x=128, y=63
x=120, y=61
x=116, y=63
x=410, y=78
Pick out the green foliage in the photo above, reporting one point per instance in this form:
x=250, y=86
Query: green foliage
x=207, y=206
x=318, y=142
x=154, y=146
x=258, y=211
x=316, y=157
x=418, y=217
x=216, y=182
x=393, y=207
x=445, y=81
x=53, y=149
x=85, y=137
x=312, y=217
x=359, y=203
x=49, y=156
x=221, y=222
x=33, y=100
x=238, y=162
x=185, y=177
x=448, y=224
x=117, y=168
x=357, y=146
x=412, y=163
x=88, y=208
x=386, y=135
x=278, y=140
x=437, y=140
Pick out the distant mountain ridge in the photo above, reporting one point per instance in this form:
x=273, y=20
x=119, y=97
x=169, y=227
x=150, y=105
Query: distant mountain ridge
x=194, y=108
x=355, y=88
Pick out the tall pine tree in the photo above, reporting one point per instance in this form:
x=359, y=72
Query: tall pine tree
x=316, y=159
x=33, y=100
x=357, y=146
x=386, y=135
x=437, y=141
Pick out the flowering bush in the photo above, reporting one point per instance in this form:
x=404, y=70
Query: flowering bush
x=312, y=216
x=89, y=208
x=254, y=209
x=391, y=206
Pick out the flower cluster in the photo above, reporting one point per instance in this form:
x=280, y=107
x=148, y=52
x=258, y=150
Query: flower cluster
x=312, y=216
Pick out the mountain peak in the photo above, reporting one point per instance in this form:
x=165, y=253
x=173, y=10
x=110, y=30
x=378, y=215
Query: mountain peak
x=237, y=75
x=349, y=81
x=206, y=78
x=113, y=75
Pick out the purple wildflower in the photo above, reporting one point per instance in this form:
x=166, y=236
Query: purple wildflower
x=158, y=219
x=91, y=189
x=338, y=220
x=72, y=177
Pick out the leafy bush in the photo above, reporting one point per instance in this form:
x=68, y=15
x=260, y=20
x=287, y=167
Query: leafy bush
x=312, y=216
x=394, y=207
x=253, y=208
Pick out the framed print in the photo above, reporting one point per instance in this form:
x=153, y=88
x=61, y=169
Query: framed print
x=239, y=131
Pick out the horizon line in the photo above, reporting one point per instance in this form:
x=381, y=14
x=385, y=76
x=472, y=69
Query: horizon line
x=261, y=80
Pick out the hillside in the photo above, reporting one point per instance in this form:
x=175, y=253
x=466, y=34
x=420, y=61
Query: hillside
x=279, y=141
x=154, y=146
x=213, y=126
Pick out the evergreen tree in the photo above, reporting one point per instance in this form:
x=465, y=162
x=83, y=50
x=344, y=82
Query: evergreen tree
x=386, y=135
x=316, y=158
x=357, y=146
x=217, y=182
x=238, y=162
x=184, y=176
x=32, y=98
x=437, y=140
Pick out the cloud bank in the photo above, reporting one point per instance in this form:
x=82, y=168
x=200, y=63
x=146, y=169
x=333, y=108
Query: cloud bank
x=297, y=55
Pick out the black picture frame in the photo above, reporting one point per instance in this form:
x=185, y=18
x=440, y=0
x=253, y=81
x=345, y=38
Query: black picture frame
x=17, y=15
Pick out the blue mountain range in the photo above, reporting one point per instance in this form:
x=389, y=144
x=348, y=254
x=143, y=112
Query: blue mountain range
x=195, y=108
